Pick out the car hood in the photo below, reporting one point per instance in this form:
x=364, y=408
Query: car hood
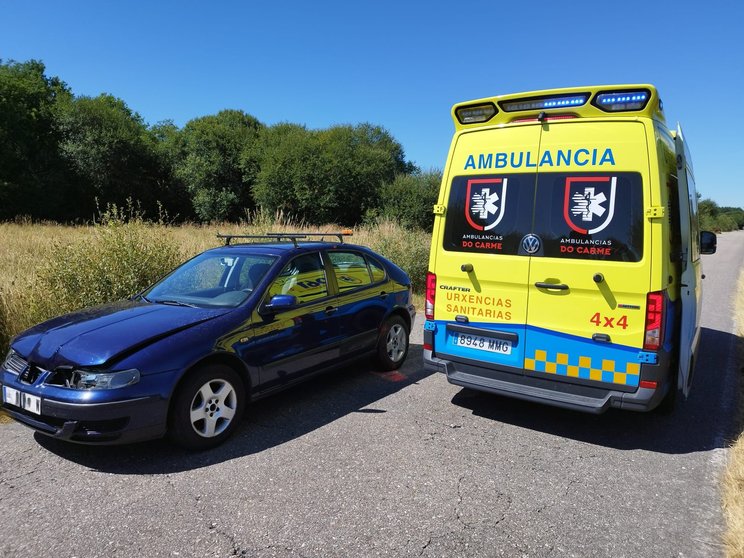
x=98, y=335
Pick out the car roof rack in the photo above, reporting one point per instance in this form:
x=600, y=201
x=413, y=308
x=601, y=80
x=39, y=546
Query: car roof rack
x=279, y=237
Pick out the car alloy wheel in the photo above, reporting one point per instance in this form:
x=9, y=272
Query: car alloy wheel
x=206, y=407
x=392, y=344
x=213, y=408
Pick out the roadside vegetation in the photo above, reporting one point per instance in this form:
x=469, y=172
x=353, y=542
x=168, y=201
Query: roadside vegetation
x=48, y=269
x=733, y=482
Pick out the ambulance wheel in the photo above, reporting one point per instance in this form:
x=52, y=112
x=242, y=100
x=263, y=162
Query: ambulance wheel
x=392, y=344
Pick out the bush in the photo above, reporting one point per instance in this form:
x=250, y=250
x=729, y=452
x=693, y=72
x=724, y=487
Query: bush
x=409, y=249
x=408, y=200
x=120, y=257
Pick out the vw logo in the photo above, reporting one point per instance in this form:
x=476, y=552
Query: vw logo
x=531, y=243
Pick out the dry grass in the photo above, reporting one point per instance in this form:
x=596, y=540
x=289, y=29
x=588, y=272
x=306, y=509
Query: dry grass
x=733, y=481
x=29, y=253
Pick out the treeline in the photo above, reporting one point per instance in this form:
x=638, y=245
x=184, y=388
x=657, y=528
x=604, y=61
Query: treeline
x=62, y=156
x=715, y=218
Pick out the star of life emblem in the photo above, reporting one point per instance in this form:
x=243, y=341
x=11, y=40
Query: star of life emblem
x=589, y=203
x=485, y=202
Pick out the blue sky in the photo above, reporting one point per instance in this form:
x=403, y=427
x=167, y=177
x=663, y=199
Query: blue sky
x=400, y=64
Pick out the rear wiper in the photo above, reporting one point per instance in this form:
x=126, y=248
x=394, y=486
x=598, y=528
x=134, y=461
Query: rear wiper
x=176, y=303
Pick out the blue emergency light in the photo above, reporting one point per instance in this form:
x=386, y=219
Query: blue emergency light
x=541, y=103
x=622, y=101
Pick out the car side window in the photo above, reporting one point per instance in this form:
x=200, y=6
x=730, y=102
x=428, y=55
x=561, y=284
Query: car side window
x=378, y=272
x=303, y=277
x=350, y=269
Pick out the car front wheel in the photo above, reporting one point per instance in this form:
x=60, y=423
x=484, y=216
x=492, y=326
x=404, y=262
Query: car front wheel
x=392, y=344
x=207, y=407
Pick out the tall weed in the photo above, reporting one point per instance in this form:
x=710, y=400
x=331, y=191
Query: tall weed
x=409, y=249
x=120, y=256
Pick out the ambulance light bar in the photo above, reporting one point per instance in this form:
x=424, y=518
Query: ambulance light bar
x=472, y=114
x=558, y=101
x=622, y=101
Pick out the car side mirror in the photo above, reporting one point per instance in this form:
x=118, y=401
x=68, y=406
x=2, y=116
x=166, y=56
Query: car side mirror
x=708, y=242
x=279, y=303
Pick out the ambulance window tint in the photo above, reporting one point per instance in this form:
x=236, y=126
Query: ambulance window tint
x=350, y=269
x=594, y=216
x=489, y=214
x=303, y=277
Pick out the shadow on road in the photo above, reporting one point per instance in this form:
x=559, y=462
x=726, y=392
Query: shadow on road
x=707, y=420
x=267, y=423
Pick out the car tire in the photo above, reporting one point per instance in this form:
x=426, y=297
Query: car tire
x=207, y=407
x=392, y=344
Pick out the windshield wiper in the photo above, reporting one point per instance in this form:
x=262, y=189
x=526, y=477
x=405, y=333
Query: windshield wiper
x=176, y=303
x=141, y=297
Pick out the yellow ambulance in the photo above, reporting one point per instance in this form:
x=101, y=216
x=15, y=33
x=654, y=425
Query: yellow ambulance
x=565, y=258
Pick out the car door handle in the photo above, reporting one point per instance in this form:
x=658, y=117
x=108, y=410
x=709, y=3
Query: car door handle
x=383, y=295
x=552, y=286
x=331, y=310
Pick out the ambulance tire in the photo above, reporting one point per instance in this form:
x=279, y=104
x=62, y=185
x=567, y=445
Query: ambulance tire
x=392, y=344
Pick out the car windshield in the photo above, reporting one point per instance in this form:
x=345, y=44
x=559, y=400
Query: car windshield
x=222, y=279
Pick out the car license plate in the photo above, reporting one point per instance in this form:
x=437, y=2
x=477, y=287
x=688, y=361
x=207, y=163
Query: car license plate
x=23, y=400
x=482, y=343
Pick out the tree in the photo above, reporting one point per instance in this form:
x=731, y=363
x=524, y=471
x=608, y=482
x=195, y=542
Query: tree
x=324, y=176
x=111, y=150
x=210, y=167
x=33, y=176
x=409, y=199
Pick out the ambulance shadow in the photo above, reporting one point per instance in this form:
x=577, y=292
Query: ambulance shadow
x=267, y=423
x=705, y=421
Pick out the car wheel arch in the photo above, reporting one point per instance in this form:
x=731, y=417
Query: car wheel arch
x=225, y=359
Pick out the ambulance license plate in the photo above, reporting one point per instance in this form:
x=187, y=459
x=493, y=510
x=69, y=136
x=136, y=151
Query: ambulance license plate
x=482, y=343
x=23, y=400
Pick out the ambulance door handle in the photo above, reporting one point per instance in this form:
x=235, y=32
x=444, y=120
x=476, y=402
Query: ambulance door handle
x=552, y=286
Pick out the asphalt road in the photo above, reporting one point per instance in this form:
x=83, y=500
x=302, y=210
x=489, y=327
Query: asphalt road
x=359, y=463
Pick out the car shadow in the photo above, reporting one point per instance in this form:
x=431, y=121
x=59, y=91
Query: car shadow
x=267, y=423
x=707, y=420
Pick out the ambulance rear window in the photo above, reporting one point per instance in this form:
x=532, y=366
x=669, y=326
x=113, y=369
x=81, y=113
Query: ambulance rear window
x=593, y=216
x=490, y=213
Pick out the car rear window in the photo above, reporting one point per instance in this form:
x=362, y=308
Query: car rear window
x=489, y=214
x=594, y=216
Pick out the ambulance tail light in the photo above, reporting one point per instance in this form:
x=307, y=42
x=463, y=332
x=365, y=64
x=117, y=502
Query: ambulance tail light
x=474, y=114
x=431, y=292
x=622, y=101
x=655, y=303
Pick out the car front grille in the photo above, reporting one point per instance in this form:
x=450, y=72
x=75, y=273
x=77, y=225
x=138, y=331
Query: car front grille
x=15, y=364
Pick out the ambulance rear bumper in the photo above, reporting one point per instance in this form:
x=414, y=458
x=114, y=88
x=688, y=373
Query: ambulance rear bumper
x=578, y=397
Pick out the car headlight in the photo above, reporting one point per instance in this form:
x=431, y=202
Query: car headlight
x=86, y=379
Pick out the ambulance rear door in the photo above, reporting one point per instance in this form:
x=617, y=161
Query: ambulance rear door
x=589, y=277
x=481, y=294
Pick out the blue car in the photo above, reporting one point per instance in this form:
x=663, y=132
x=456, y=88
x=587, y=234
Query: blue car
x=229, y=326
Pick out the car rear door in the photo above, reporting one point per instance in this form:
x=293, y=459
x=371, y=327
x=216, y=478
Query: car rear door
x=481, y=295
x=588, y=282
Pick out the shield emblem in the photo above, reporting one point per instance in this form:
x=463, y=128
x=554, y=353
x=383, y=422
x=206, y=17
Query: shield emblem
x=589, y=203
x=485, y=202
